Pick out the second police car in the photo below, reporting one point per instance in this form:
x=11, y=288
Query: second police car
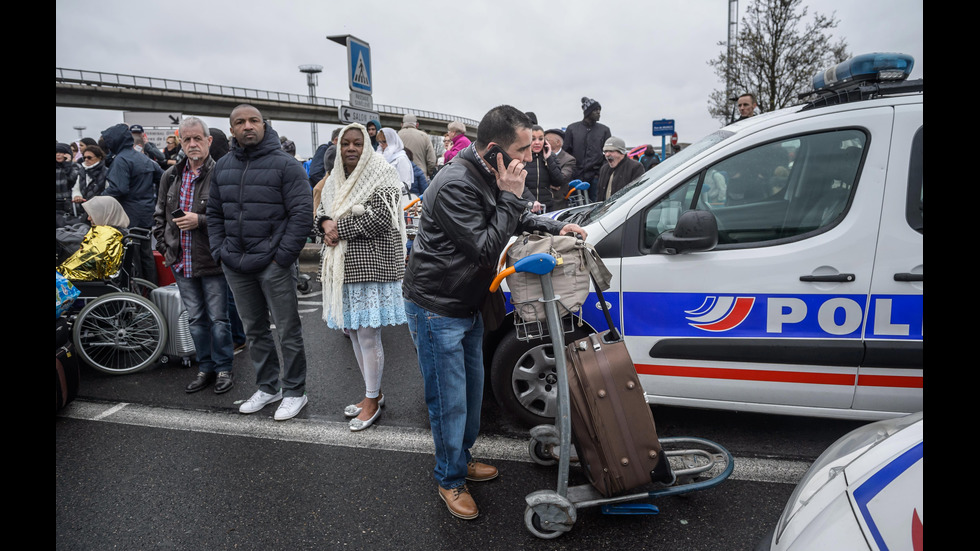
x=774, y=266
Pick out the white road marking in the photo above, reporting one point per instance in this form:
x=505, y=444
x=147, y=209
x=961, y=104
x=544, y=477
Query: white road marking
x=337, y=433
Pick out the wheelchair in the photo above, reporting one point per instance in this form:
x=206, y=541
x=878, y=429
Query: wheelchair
x=116, y=328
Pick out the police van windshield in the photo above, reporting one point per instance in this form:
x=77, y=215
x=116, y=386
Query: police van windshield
x=654, y=175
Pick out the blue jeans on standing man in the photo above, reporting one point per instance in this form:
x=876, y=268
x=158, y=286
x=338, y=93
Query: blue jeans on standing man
x=450, y=353
x=206, y=301
x=250, y=290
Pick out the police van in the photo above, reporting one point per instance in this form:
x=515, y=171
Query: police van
x=774, y=266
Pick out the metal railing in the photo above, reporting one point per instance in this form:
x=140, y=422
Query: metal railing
x=98, y=78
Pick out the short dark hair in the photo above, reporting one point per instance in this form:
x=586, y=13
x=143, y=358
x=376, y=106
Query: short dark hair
x=500, y=125
x=95, y=150
x=240, y=106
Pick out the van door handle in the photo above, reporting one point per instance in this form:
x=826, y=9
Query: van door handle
x=846, y=278
x=908, y=277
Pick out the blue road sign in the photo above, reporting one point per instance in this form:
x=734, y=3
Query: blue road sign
x=359, y=65
x=663, y=127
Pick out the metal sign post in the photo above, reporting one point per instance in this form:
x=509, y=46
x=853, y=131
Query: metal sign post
x=359, y=80
x=663, y=128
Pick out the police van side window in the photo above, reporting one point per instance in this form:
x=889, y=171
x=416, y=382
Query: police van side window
x=662, y=216
x=781, y=190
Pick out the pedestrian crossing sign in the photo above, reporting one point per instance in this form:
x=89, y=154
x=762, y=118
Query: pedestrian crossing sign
x=359, y=65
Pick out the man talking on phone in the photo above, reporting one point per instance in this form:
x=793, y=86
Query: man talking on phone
x=181, y=230
x=469, y=212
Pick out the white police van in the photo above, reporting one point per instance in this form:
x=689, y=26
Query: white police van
x=774, y=266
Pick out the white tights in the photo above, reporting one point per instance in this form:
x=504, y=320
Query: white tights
x=370, y=357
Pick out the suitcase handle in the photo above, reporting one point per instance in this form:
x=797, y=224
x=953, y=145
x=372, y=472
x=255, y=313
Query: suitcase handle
x=614, y=334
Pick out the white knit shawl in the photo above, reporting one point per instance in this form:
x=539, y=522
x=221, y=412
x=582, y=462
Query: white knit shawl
x=348, y=196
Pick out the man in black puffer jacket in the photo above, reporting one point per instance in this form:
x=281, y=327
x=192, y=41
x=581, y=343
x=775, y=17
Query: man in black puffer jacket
x=260, y=211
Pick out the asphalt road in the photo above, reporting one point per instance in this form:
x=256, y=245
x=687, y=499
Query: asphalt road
x=140, y=464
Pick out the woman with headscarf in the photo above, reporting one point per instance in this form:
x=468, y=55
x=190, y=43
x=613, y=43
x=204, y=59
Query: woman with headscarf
x=91, y=179
x=363, y=258
x=392, y=149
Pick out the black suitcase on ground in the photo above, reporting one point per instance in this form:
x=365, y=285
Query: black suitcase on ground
x=612, y=425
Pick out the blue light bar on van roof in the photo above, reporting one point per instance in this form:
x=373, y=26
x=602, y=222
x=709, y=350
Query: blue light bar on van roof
x=867, y=67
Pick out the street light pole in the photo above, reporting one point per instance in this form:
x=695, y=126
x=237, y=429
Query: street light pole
x=311, y=72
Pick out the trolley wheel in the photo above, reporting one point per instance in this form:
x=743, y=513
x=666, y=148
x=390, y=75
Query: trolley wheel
x=120, y=333
x=303, y=285
x=142, y=287
x=540, y=453
x=535, y=520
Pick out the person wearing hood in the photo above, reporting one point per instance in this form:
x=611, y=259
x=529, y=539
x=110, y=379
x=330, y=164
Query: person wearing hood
x=106, y=211
x=363, y=230
x=259, y=213
x=393, y=150
x=132, y=180
x=91, y=179
x=373, y=127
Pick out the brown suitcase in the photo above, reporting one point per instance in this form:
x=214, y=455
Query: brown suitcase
x=612, y=425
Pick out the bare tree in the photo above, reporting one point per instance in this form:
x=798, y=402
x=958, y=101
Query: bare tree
x=778, y=51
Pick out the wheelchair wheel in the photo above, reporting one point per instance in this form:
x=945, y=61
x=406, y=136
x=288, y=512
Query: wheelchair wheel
x=142, y=287
x=120, y=333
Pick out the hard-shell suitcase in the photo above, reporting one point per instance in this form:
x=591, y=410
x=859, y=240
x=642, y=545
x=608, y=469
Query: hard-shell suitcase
x=164, y=275
x=179, y=342
x=612, y=426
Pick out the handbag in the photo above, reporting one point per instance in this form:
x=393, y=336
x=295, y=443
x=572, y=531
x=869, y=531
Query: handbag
x=577, y=264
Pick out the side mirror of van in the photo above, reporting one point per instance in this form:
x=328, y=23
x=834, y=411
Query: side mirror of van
x=696, y=230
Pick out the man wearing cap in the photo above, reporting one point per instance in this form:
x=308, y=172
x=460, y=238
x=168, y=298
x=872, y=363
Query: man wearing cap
x=566, y=163
x=618, y=169
x=584, y=140
x=418, y=142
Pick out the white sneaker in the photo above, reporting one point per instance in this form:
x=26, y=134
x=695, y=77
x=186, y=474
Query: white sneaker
x=289, y=407
x=258, y=401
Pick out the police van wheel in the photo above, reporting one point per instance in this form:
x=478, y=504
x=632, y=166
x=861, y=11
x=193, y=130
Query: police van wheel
x=524, y=377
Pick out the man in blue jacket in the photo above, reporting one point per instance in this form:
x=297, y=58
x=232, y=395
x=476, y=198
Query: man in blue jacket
x=132, y=180
x=260, y=211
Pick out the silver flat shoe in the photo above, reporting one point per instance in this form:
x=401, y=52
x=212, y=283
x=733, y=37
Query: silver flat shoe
x=357, y=424
x=353, y=411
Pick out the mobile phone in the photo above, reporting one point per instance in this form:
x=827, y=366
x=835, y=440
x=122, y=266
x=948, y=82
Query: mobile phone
x=177, y=213
x=491, y=156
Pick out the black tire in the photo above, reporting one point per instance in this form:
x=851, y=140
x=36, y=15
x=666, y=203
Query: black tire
x=524, y=379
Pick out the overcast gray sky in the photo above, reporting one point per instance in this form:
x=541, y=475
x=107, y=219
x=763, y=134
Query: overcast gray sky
x=642, y=60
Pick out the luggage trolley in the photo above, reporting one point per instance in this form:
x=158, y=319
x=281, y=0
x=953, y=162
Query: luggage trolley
x=577, y=195
x=412, y=213
x=700, y=463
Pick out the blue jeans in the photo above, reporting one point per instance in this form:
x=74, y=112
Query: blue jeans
x=206, y=301
x=450, y=352
x=272, y=291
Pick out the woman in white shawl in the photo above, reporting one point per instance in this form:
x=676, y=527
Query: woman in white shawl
x=393, y=149
x=363, y=258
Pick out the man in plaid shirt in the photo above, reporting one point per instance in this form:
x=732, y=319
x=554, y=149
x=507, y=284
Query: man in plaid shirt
x=180, y=228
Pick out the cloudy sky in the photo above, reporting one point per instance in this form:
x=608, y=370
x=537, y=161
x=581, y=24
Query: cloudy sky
x=643, y=60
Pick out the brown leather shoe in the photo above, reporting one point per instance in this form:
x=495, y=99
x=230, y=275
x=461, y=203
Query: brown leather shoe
x=460, y=502
x=480, y=472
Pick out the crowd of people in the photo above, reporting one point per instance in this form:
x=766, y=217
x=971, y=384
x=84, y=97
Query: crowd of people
x=230, y=218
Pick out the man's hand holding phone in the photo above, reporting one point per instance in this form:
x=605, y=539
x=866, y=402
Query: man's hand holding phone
x=184, y=221
x=510, y=172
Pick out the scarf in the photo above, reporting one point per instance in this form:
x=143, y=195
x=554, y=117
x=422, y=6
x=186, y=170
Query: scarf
x=347, y=195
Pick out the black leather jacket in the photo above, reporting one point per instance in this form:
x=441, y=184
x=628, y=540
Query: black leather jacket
x=466, y=223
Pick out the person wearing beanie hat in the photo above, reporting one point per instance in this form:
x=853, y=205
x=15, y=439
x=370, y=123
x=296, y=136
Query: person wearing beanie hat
x=584, y=140
x=618, y=170
x=418, y=142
